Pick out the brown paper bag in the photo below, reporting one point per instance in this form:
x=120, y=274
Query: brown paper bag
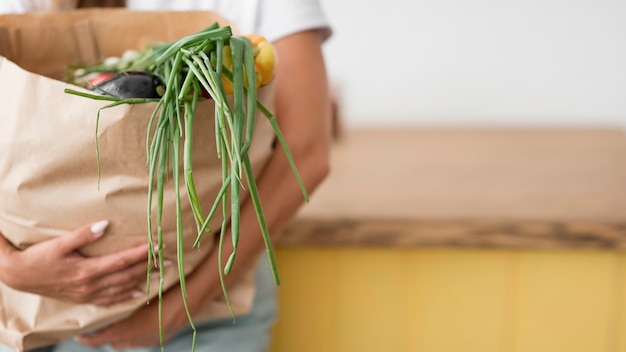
x=48, y=166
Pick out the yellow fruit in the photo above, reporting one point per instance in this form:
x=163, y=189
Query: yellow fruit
x=264, y=59
x=264, y=62
x=227, y=60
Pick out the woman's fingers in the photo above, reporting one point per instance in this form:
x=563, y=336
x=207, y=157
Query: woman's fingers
x=125, y=275
x=81, y=237
x=68, y=276
x=109, y=299
x=117, y=262
x=122, y=285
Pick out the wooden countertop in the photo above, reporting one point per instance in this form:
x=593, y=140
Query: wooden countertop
x=517, y=188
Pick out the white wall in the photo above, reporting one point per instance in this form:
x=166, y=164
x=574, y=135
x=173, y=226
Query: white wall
x=479, y=62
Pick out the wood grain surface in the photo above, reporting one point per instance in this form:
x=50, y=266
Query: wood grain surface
x=516, y=188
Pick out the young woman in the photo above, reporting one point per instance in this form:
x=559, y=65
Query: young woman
x=297, y=28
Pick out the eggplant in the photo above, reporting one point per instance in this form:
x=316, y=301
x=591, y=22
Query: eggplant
x=132, y=84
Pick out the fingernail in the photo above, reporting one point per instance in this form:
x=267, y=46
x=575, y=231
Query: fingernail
x=97, y=229
x=155, y=247
x=166, y=263
x=137, y=294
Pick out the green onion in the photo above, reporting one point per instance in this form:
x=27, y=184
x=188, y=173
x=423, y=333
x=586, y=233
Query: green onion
x=187, y=66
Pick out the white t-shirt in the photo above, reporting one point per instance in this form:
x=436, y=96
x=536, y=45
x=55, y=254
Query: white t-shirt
x=272, y=19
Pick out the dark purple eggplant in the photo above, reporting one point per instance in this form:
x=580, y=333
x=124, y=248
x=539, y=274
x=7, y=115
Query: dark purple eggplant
x=132, y=84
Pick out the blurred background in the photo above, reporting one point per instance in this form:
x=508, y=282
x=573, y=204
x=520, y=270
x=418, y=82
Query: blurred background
x=477, y=198
x=483, y=62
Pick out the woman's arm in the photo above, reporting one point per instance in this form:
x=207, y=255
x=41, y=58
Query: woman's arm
x=302, y=109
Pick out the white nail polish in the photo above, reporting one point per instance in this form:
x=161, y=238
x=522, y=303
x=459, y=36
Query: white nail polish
x=98, y=228
x=137, y=294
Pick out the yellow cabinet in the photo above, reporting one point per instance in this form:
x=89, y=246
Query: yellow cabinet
x=461, y=241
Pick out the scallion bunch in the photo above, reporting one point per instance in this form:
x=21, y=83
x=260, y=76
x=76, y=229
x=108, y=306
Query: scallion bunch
x=187, y=67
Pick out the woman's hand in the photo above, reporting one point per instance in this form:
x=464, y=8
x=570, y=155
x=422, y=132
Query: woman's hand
x=54, y=268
